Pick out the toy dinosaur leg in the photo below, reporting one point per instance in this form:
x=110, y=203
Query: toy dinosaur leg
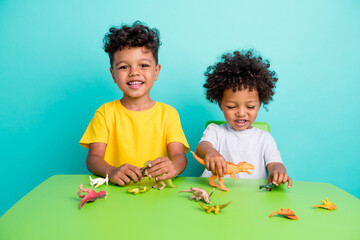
x=162, y=185
x=212, y=179
x=222, y=186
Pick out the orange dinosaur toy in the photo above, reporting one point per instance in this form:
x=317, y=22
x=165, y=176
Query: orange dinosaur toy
x=327, y=205
x=232, y=169
x=287, y=213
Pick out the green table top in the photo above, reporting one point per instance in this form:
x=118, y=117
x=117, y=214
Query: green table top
x=51, y=211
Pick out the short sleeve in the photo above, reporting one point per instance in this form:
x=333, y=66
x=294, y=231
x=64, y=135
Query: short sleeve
x=174, y=131
x=97, y=130
x=271, y=152
x=211, y=134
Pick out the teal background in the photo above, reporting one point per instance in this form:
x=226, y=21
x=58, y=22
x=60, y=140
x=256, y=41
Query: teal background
x=54, y=74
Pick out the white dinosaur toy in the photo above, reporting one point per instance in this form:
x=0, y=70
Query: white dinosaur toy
x=99, y=181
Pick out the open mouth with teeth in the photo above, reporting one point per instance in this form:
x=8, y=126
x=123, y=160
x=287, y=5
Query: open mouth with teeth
x=135, y=84
x=241, y=123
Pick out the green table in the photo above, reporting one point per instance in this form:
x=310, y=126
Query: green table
x=51, y=211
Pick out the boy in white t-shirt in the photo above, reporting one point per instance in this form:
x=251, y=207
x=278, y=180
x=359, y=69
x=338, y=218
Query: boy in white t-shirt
x=240, y=83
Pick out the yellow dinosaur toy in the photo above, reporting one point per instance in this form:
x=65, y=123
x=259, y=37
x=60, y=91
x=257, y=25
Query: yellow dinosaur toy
x=214, y=208
x=327, y=205
x=232, y=169
x=137, y=190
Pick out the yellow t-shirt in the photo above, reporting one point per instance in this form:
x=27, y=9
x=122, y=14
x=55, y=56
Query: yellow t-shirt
x=134, y=137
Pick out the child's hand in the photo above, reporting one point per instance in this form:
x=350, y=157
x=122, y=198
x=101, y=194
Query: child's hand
x=161, y=168
x=215, y=161
x=124, y=174
x=278, y=175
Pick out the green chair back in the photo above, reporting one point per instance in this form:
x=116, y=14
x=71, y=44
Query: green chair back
x=261, y=125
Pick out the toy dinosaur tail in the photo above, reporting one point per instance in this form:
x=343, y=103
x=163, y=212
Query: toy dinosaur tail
x=200, y=160
x=169, y=183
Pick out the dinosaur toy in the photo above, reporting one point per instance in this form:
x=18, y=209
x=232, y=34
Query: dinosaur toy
x=99, y=181
x=199, y=193
x=268, y=186
x=214, y=208
x=327, y=205
x=287, y=213
x=137, y=190
x=91, y=195
x=232, y=169
x=164, y=183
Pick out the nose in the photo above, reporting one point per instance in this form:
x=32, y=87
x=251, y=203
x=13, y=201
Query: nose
x=240, y=112
x=133, y=72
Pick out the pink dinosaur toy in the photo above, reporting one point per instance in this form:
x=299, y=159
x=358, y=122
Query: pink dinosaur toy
x=90, y=196
x=199, y=193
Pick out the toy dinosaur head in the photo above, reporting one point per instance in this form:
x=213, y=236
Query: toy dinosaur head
x=244, y=167
x=102, y=194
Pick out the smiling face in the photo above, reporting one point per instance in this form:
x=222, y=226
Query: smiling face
x=240, y=108
x=134, y=70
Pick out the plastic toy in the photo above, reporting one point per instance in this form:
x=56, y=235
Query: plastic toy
x=137, y=190
x=164, y=183
x=199, y=194
x=91, y=195
x=287, y=213
x=99, y=181
x=327, y=205
x=268, y=186
x=232, y=169
x=214, y=208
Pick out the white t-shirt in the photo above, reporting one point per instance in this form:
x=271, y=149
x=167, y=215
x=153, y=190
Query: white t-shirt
x=253, y=145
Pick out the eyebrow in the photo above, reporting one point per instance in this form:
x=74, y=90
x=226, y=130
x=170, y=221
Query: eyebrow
x=142, y=59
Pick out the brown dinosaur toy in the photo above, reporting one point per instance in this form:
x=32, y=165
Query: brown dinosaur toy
x=232, y=169
x=199, y=193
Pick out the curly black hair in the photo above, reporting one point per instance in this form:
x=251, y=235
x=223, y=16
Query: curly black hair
x=238, y=70
x=136, y=35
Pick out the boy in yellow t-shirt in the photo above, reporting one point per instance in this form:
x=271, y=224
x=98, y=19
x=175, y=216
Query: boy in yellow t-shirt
x=126, y=133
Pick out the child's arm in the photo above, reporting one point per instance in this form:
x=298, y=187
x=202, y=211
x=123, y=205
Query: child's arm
x=277, y=174
x=213, y=159
x=119, y=175
x=170, y=167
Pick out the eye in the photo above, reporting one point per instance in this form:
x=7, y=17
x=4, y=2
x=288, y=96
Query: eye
x=230, y=107
x=144, y=65
x=123, y=67
x=251, y=107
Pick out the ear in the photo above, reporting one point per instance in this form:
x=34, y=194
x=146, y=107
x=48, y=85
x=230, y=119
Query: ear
x=220, y=106
x=112, y=74
x=157, y=71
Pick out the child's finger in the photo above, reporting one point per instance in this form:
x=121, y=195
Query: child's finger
x=275, y=178
x=224, y=167
x=289, y=182
x=166, y=176
x=213, y=168
x=219, y=169
x=285, y=179
x=132, y=175
x=157, y=173
x=207, y=165
x=159, y=160
x=280, y=178
x=123, y=179
x=118, y=181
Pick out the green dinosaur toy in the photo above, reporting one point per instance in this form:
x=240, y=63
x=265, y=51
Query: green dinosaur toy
x=167, y=182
